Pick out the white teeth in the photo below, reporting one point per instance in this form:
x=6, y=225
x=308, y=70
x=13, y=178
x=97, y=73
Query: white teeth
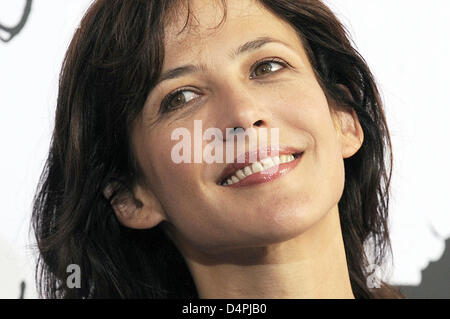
x=258, y=167
x=240, y=174
x=282, y=159
x=248, y=171
x=267, y=163
x=276, y=160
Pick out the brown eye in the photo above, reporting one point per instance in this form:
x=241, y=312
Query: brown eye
x=268, y=66
x=178, y=99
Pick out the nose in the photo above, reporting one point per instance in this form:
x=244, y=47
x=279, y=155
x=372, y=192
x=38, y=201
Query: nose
x=240, y=109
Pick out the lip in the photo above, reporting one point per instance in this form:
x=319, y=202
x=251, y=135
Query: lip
x=243, y=160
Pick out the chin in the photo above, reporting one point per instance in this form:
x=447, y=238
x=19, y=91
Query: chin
x=273, y=226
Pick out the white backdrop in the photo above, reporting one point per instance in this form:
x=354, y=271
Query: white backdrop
x=404, y=43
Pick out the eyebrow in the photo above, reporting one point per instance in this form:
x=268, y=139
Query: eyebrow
x=244, y=48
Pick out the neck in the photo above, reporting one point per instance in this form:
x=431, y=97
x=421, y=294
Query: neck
x=311, y=265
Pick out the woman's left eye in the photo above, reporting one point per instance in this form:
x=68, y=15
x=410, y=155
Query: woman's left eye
x=267, y=66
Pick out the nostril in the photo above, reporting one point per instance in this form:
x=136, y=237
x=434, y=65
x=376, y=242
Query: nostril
x=237, y=130
x=258, y=123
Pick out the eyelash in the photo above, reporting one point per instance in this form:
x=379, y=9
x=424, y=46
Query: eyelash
x=165, y=103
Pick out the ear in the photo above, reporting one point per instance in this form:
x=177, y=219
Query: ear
x=350, y=132
x=138, y=208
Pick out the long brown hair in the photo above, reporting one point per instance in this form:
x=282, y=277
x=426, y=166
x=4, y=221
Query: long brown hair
x=111, y=65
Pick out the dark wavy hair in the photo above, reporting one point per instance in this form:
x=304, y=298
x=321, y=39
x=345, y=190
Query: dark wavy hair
x=111, y=65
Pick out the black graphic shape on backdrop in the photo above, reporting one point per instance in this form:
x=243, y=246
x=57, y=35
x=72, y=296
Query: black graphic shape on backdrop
x=22, y=289
x=13, y=31
x=435, y=279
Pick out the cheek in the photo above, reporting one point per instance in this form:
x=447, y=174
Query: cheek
x=301, y=104
x=307, y=112
x=171, y=181
x=163, y=174
x=175, y=185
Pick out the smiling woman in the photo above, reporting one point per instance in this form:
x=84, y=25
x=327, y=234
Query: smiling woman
x=112, y=200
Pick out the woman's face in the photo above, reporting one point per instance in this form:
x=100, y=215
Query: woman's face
x=228, y=92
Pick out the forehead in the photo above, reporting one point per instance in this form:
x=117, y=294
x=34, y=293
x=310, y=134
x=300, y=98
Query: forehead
x=202, y=31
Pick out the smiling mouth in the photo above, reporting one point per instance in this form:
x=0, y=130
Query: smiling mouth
x=263, y=165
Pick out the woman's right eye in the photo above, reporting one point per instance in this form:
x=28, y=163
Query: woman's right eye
x=177, y=99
